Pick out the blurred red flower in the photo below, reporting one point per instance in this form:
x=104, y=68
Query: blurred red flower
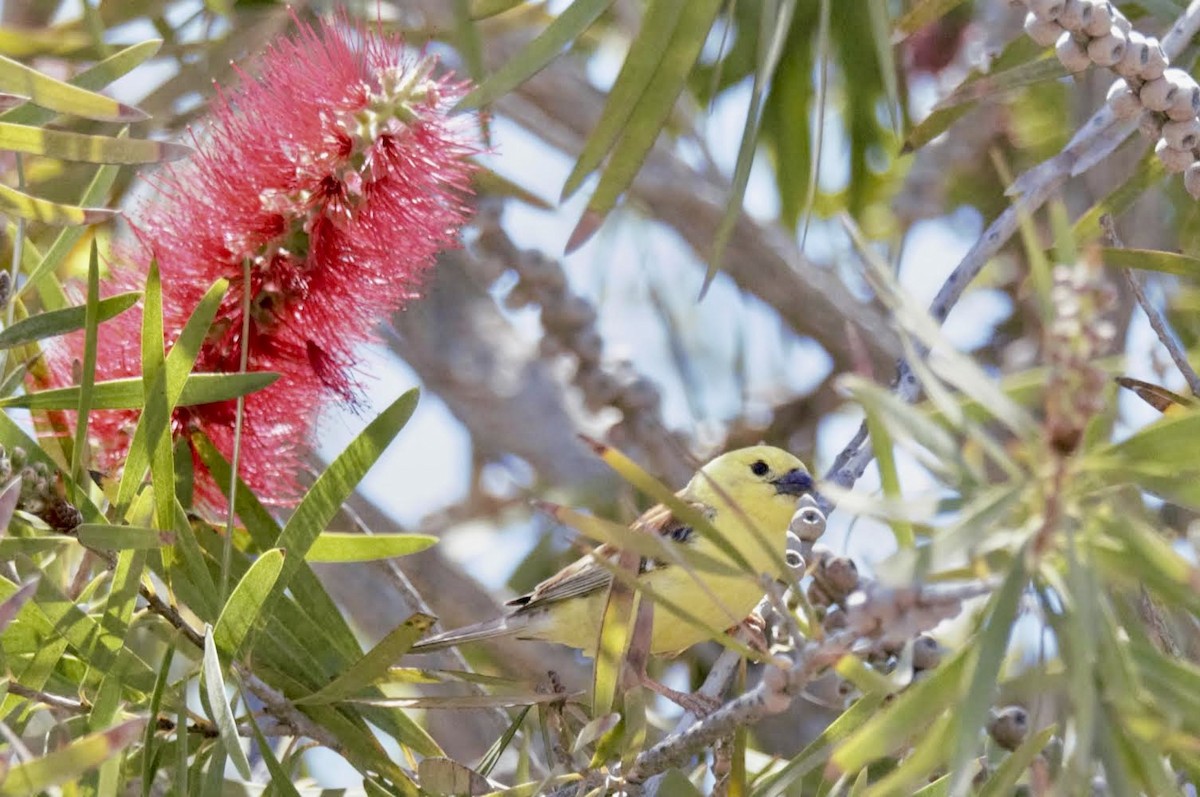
x=338, y=172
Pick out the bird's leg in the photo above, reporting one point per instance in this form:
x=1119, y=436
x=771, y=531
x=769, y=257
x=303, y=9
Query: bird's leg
x=754, y=630
x=696, y=704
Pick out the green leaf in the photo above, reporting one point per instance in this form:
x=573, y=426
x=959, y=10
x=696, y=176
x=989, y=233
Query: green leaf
x=31, y=208
x=88, y=376
x=1151, y=260
x=885, y=460
x=649, y=114
x=109, y=537
x=374, y=664
x=60, y=322
x=95, y=77
x=214, y=684
x=167, y=384
x=817, y=750
x=55, y=95
x=242, y=609
x=482, y=9
x=922, y=13
x=912, y=710
x=11, y=606
x=775, y=23
x=336, y=484
x=68, y=763
x=1148, y=172
x=1004, y=778
x=126, y=394
x=150, y=747
x=992, y=645
x=641, y=62
x=65, y=145
x=566, y=28
x=281, y=779
x=333, y=546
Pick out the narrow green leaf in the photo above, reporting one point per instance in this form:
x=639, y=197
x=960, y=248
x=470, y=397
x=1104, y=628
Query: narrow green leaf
x=95, y=77
x=1004, y=778
x=641, y=62
x=281, y=779
x=992, y=645
x=334, y=546
x=60, y=322
x=214, y=684
x=649, y=546
x=333, y=486
x=68, y=763
x=374, y=664
x=492, y=756
x=889, y=479
x=242, y=609
x=926, y=756
x=88, y=376
x=1151, y=260
x=126, y=394
x=482, y=9
x=167, y=383
x=1148, y=172
x=775, y=23
x=150, y=746
x=109, y=537
x=648, y=117
x=566, y=28
x=817, y=750
x=502, y=700
x=619, y=626
x=69, y=146
x=912, y=710
x=11, y=605
x=55, y=95
x=922, y=13
x=31, y=208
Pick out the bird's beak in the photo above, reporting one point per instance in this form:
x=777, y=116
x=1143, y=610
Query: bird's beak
x=794, y=482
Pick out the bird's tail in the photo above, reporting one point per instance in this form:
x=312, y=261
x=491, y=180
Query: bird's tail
x=500, y=627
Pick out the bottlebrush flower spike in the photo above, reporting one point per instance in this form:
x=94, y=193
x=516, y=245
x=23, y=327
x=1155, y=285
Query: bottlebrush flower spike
x=338, y=172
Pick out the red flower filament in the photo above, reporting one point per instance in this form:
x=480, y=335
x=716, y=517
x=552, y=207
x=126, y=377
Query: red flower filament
x=338, y=173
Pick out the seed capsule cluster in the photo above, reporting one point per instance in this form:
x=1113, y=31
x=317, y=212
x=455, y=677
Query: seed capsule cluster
x=1165, y=101
x=39, y=490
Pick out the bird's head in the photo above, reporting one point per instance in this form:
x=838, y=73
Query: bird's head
x=754, y=475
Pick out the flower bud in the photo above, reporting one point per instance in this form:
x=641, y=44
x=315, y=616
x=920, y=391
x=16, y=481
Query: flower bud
x=1071, y=53
x=1107, y=50
x=1043, y=31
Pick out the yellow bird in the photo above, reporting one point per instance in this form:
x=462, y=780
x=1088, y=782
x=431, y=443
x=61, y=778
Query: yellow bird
x=758, y=485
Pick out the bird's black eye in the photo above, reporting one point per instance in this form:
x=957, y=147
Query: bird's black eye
x=759, y=468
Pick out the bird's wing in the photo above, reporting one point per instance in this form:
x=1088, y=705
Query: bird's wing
x=585, y=575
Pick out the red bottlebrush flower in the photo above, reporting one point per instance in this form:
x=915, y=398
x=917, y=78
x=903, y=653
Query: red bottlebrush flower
x=337, y=171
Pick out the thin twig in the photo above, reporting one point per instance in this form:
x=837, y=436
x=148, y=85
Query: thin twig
x=1158, y=321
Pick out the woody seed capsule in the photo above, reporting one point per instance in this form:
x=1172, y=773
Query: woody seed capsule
x=1125, y=103
x=1107, y=50
x=1158, y=94
x=1191, y=180
x=1186, y=102
x=1156, y=60
x=1101, y=22
x=1047, y=9
x=1184, y=134
x=1071, y=53
x=1043, y=31
x=1175, y=160
x=1137, y=55
x=1076, y=14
